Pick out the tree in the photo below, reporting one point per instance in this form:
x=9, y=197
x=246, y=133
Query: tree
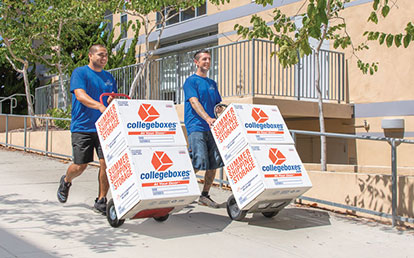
x=57, y=21
x=16, y=28
x=142, y=9
x=321, y=21
x=12, y=83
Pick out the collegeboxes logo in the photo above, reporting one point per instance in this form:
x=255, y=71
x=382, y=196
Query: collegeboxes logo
x=148, y=113
x=161, y=163
x=259, y=115
x=276, y=156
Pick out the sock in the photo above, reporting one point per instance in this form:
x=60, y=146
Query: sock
x=204, y=193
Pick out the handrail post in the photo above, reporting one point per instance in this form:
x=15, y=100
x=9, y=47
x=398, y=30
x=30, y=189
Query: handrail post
x=394, y=181
x=294, y=137
x=253, y=67
x=25, y=134
x=298, y=70
x=47, y=137
x=221, y=177
x=7, y=130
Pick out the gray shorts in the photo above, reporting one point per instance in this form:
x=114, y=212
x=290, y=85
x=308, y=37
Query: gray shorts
x=83, y=145
x=203, y=151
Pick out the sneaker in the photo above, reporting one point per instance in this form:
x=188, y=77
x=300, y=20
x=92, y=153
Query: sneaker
x=207, y=201
x=63, y=190
x=100, y=205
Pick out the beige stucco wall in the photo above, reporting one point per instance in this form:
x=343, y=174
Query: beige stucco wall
x=392, y=82
x=368, y=191
x=14, y=122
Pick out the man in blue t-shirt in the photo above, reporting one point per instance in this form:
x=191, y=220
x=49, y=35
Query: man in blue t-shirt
x=87, y=83
x=201, y=95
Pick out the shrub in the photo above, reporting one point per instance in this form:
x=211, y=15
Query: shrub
x=60, y=113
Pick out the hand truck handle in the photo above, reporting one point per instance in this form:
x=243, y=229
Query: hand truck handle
x=113, y=95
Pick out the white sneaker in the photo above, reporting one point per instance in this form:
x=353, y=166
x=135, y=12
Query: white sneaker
x=207, y=201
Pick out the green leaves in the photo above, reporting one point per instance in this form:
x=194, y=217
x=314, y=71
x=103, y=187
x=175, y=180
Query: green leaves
x=407, y=40
x=385, y=10
x=373, y=17
x=366, y=67
x=389, y=39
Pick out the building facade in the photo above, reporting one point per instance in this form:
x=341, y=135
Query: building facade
x=246, y=72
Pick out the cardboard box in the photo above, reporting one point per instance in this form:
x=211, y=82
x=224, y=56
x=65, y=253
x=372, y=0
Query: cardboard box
x=152, y=177
x=242, y=124
x=138, y=123
x=266, y=172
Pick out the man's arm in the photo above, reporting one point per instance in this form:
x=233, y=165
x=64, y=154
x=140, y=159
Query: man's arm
x=196, y=105
x=86, y=100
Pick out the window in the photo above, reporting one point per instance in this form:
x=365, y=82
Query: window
x=124, y=23
x=182, y=15
x=188, y=14
x=108, y=21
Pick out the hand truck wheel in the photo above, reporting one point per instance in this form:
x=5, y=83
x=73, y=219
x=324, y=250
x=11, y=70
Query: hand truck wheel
x=233, y=209
x=270, y=214
x=111, y=215
x=163, y=218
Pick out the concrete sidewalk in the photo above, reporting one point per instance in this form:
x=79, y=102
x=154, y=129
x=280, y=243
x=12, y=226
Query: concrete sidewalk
x=34, y=224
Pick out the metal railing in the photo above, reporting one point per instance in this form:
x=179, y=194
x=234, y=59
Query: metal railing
x=50, y=96
x=244, y=68
x=47, y=124
x=394, y=142
x=13, y=101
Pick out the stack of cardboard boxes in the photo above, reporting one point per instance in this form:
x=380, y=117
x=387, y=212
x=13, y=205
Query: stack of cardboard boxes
x=148, y=165
x=259, y=154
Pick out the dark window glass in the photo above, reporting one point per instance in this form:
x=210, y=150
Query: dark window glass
x=202, y=10
x=173, y=17
x=188, y=14
x=124, y=22
x=108, y=21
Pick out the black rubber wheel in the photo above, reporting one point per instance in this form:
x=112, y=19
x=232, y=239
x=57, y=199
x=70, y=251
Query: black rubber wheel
x=163, y=218
x=233, y=209
x=111, y=215
x=270, y=214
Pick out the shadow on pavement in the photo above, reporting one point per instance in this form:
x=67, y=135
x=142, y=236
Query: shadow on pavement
x=180, y=225
x=13, y=246
x=76, y=222
x=291, y=218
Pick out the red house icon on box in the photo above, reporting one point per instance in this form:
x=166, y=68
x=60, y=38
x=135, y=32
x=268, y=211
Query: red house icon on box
x=148, y=113
x=161, y=161
x=276, y=156
x=259, y=115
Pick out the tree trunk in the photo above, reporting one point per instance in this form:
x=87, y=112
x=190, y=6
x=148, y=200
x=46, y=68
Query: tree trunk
x=321, y=116
x=62, y=87
x=28, y=96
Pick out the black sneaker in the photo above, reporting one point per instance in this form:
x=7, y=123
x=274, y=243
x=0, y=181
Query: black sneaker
x=63, y=190
x=100, y=205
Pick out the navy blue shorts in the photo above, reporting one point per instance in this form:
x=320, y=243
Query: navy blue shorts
x=203, y=151
x=83, y=145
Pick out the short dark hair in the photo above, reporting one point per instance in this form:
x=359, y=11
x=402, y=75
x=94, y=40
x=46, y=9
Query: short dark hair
x=95, y=47
x=197, y=54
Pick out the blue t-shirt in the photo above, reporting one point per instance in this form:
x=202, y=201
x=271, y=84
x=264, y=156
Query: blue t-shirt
x=205, y=90
x=94, y=84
